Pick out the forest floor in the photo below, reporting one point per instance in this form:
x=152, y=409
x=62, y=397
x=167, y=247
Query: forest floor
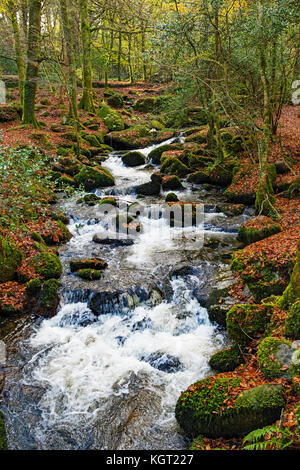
x=272, y=250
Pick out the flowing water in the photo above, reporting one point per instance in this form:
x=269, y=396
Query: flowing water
x=106, y=371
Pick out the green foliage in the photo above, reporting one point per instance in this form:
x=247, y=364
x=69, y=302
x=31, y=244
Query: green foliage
x=292, y=322
x=47, y=265
x=244, y=322
x=268, y=438
x=227, y=359
x=21, y=203
x=10, y=258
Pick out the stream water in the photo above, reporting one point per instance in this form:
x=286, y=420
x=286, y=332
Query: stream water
x=109, y=378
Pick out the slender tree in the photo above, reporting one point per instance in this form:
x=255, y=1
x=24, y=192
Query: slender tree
x=33, y=62
x=86, y=101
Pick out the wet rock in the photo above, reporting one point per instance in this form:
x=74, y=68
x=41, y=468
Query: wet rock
x=133, y=159
x=171, y=183
x=181, y=269
x=113, y=242
x=148, y=189
x=164, y=362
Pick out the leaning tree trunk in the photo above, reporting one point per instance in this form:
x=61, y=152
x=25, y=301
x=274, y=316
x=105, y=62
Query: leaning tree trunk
x=72, y=79
x=86, y=101
x=292, y=292
x=20, y=59
x=33, y=62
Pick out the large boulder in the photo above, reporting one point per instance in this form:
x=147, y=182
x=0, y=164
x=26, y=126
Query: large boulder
x=111, y=118
x=48, y=265
x=244, y=322
x=227, y=359
x=148, y=189
x=292, y=321
x=149, y=104
x=10, y=258
x=205, y=408
x=278, y=358
x=132, y=159
x=49, y=298
x=92, y=178
x=257, y=229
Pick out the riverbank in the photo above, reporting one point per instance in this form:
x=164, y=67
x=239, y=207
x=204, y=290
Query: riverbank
x=162, y=287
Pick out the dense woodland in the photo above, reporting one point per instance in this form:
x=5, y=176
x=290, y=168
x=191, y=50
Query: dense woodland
x=217, y=82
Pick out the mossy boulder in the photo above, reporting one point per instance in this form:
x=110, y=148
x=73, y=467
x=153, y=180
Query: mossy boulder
x=89, y=200
x=292, y=321
x=199, y=177
x=94, y=263
x=57, y=233
x=92, y=139
x=155, y=154
x=261, y=274
x=33, y=287
x=3, y=441
x=148, y=189
x=90, y=274
x=257, y=229
x=49, y=298
x=108, y=200
x=171, y=182
x=171, y=197
x=221, y=175
x=133, y=159
x=115, y=100
x=10, y=259
x=47, y=265
x=173, y=166
x=92, y=178
x=203, y=410
x=149, y=104
x=293, y=190
x=245, y=321
x=8, y=113
x=111, y=118
x=278, y=359
x=227, y=359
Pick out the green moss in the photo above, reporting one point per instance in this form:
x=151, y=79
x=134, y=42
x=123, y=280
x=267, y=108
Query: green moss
x=111, y=118
x=58, y=233
x=147, y=105
x=227, y=359
x=94, y=263
x=292, y=292
x=132, y=159
x=171, y=182
x=244, y=322
x=252, y=235
x=268, y=357
x=261, y=275
x=292, y=322
x=173, y=166
x=3, y=442
x=108, y=200
x=197, y=444
x=90, y=274
x=47, y=265
x=171, y=197
x=155, y=154
x=115, y=100
x=198, y=177
x=49, y=298
x=33, y=287
x=10, y=258
x=89, y=199
x=202, y=408
x=92, y=140
x=92, y=178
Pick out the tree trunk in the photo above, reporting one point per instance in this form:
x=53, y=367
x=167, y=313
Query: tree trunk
x=33, y=62
x=72, y=79
x=119, y=56
x=86, y=101
x=20, y=59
